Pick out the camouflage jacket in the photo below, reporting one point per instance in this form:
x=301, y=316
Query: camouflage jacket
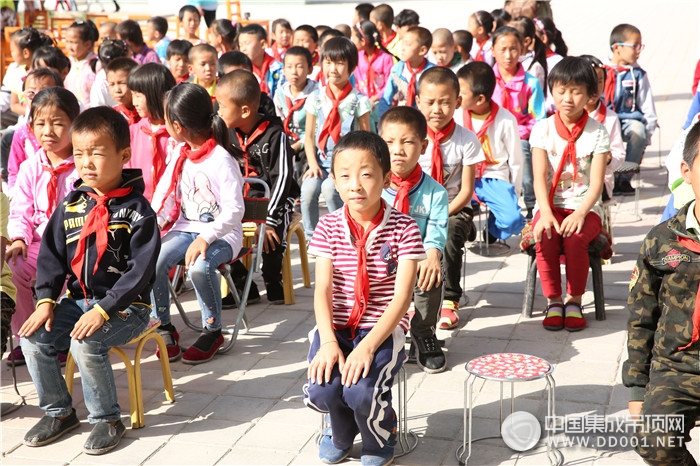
x=663, y=288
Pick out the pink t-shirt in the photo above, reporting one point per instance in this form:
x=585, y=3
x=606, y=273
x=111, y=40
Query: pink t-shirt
x=382, y=70
x=396, y=238
x=142, y=153
x=24, y=145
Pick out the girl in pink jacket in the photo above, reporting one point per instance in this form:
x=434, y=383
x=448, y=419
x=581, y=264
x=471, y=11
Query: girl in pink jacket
x=42, y=182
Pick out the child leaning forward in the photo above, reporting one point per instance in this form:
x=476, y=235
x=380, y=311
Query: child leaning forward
x=367, y=255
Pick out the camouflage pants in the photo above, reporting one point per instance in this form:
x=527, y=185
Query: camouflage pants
x=7, y=308
x=669, y=393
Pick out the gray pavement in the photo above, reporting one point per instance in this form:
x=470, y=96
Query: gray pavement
x=245, y=407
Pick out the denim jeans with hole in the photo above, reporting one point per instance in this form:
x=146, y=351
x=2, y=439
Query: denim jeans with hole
x=91, y=355
x=203, y=274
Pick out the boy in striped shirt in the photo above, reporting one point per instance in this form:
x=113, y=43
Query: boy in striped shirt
x=367, y=255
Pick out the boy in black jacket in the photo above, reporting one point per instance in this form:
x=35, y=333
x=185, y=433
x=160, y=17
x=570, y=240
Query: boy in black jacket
x=264, y=152
x=104, y=237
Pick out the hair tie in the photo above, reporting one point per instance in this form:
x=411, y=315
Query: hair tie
x=212, y=115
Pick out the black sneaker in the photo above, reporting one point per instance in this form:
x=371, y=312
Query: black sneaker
x=275, y=292
x=49, y=429
x=623, y=188
x=104, y=437
x=528, y=215
x=430, y=358
x=253, y=297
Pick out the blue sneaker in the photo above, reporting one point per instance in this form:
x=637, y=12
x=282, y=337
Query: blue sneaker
x=382, y=458
x=329, y=454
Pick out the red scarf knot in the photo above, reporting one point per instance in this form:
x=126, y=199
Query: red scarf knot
x=97, y=222
x=158, y=155
x=437, y=163
x=131, y=115
x=411, y=91
x=291, y=109
x=332, y=124
x=611, y=81
x=262, y=71
x=186, y=153
x=569, y=154
x=483, y=138
x=401, y=202
x=52, y=188
x=361, y=287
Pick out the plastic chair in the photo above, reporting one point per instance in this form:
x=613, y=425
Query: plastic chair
x=255, y=212
x=294, y=228
x=133, y=372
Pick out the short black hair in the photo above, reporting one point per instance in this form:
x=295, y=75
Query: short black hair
x=480, y=78
x=367, y=141
x=131, y=31
x=121, y=64
x=464, y=40
x=439, y=75
x=58, y=97
x=200, y=49
x=384, y=14
x=103, y=120
x=178, y=47
x=363, y=10
x=506, y=31
x=188, y=9
x=234, y=58
x=310, y=30
x=692, y=145
x=340, y=49
x=405, y=115
x=51, y=57
x=297, y=51
x=280, y=22
x=424, y=36
x=621, y=31
x=160, y=24
x=574, y=70
x=39, y=73
x=243, y=88
x=406, y=18
x=255, y=29
x=330, y=33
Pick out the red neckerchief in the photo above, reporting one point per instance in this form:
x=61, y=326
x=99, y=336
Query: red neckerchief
x=159, y=156
x=401, y=202
x=549, y=52
x=291, y=108
x=569, y=154
x=411, y=91
x=97, y=222
x=182, y=79
x=506, y=98
x=52, y=188
x=332, y=123
x=362, y=278
x=610, y=82
x=695, y=247
x=481, y=134
x=479, y=56
x=437, y=164
x=371, y=87
x=315, y=57
x=386, y=43
x=246, y=141
x=602, y=112
x=277, y=54
x=262, y=71
x=132, y=116
x=186, y=153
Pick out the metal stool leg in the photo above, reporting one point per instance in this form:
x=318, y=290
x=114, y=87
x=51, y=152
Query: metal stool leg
x=407, y=439
x=555, y=456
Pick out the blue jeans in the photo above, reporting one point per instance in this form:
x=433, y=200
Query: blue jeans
x=91, y=355
x=311, y=188
x=203, y=274
x=634, y=133
x=528, y=178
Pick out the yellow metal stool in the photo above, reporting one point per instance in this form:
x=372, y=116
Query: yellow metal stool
x=294, y=228
x=133, y=372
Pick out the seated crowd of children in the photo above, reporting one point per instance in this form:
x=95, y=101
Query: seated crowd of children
x=403, y=132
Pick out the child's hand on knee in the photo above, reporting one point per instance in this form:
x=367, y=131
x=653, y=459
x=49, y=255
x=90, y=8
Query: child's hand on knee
x=572, y=224
x=429, y=271
x=43, y=315
x=87, y=324
x=313, y=172
x=356, y=365
x=271, y=240
x=545, y=224
x=17, y=248
x=198, y=247
x=322, y=364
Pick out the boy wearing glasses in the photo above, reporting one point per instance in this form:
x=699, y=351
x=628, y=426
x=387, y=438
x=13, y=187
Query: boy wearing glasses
x=628, y=93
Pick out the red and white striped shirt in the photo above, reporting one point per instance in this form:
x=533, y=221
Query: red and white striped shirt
x=397, y=238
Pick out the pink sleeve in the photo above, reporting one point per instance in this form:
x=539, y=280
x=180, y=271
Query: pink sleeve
x=387, y=65
x=17, y=154
x=20, y=225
